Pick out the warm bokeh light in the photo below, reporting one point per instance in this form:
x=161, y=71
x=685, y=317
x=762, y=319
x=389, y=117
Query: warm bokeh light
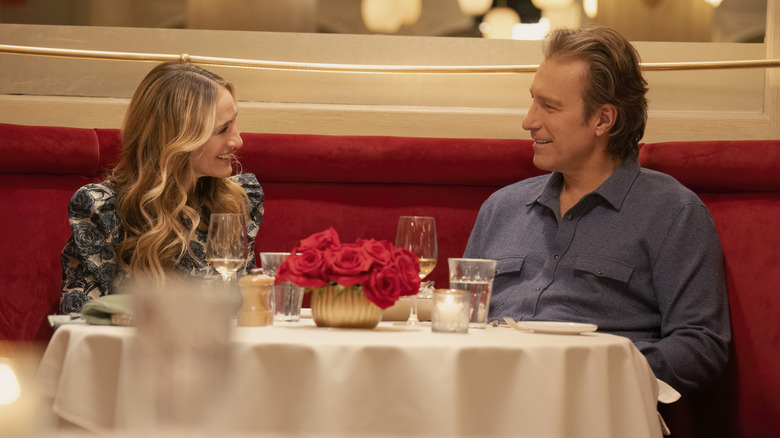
x=9, y=384
x=531, y=31
x=551, y=4
x=591, y=8
x=499, y=23
x=475, y=7
x=381, y=16
x=410, y=11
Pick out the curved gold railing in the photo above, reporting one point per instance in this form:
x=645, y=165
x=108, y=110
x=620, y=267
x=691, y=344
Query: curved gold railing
x=355, y=68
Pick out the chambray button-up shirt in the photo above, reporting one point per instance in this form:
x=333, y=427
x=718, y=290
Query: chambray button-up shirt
x=639, y=256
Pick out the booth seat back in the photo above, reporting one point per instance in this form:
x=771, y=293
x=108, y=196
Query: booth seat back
x=739, y=181
x=40, y=169
x=361, y=184
x=357, y=185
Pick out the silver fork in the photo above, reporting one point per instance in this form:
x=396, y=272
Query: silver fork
x=513, y=324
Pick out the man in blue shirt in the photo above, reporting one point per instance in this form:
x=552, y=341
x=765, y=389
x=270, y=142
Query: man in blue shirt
x=601, y=240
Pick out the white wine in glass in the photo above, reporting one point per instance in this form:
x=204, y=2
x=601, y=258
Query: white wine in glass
x=426, y=267
x=227, y=247
x=418, y=235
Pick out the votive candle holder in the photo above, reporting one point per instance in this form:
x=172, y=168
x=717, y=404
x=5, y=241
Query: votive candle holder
x=450, y=311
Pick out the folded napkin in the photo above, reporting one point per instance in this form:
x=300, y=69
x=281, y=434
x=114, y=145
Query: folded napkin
x=109, y=309
x=666, y=394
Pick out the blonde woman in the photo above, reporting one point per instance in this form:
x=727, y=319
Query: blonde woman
x=149, y=218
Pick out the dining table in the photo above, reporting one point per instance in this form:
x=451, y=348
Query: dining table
x=297, y=379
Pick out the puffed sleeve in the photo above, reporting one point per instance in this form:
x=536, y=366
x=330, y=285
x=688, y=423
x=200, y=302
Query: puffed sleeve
x=255, y=208
x=89, y=261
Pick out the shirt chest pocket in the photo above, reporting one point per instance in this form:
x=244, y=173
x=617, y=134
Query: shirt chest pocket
x=604, y=268
x=509, y=266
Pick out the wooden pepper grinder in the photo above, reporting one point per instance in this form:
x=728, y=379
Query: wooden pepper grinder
x=258, y=307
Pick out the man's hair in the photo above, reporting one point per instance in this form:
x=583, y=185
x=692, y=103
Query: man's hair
x=613, y=76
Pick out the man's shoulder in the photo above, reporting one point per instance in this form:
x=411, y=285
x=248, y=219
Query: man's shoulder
x=659, y=184
x=525, y=190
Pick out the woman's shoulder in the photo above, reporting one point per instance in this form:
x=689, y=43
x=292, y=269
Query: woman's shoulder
x=255, y=200
x=90, y=199
x=246, y=180
x=250, y=184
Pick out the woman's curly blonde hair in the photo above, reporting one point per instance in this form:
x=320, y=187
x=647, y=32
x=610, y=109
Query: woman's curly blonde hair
x=158, y=197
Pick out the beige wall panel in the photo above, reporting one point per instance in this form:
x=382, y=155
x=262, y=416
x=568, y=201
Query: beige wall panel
x=660, y=20
x=94, y=93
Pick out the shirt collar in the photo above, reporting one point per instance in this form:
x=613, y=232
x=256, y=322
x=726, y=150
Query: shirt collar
x=613, y=190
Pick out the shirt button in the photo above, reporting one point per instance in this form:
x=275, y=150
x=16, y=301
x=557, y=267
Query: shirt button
x=600, y=273
x=556, y=256
x=538, y=288
x=569, y=217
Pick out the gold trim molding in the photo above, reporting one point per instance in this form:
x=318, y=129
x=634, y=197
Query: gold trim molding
x=355, y=68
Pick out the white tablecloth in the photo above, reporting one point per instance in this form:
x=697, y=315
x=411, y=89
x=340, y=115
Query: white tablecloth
x=304, y=380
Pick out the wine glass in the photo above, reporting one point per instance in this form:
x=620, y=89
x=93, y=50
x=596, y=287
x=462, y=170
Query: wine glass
x=418, y=235
x=227, y=247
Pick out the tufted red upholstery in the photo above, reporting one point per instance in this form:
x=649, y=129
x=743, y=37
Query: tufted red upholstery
x=361, y=184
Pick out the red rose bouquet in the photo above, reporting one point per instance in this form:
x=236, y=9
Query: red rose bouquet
x=385, y=273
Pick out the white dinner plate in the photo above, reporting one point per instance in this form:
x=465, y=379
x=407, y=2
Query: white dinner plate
x=555, y=327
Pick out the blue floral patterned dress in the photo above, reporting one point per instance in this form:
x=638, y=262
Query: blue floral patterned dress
x=89, y=260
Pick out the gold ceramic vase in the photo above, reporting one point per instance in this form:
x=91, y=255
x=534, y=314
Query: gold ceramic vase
x=339, y=306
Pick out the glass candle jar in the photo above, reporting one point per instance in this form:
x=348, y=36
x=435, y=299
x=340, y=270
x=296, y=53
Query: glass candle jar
x=450, y=311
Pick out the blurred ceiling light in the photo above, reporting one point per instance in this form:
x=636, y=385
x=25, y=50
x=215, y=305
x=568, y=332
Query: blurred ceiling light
x=591, y=8
x=531, y=31
x=551, y=4
x=569, y=16
x=410, y=11
x=475, y=7
x=9, y=385
x=381, y=16
x=499, y=23
x=714, y=3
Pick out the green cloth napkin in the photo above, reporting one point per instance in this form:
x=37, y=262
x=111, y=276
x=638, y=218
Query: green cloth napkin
x=99, y=310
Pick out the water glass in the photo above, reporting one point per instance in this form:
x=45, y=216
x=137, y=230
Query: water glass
x=450, y=311
x=288, y=296
x=179, y=360
x=476, y=277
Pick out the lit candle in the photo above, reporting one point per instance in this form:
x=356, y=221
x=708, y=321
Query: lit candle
x=16, y=409
x=9, y=384
x=450, y=311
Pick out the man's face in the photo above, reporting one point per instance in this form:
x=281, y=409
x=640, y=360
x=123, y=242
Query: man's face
x=564, y=141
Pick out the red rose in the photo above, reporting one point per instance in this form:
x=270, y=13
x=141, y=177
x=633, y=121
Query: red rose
x=322, y=240
x=304, y=267
x=409, y=270
x=383, y=286
x=381, y=251
x=384, y=272
x=347, y=265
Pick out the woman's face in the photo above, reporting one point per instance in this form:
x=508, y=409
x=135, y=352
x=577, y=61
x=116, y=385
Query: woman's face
x=215, y=157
